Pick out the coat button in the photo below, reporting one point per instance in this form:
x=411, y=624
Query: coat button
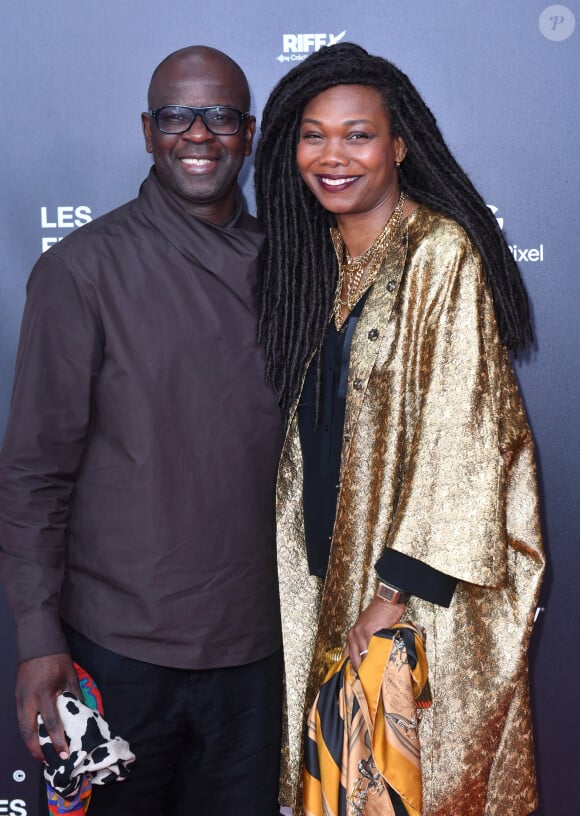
x=357, y=384
x=373, y=334
x=391, y=286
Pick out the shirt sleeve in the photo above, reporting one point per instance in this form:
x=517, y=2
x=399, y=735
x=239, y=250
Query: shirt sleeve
x=410, y=575
x=58, y=361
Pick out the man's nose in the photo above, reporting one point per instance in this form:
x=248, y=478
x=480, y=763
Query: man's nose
x=198, y=130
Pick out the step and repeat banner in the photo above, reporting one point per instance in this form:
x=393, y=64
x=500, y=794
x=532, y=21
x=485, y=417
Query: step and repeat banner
x=502, y=80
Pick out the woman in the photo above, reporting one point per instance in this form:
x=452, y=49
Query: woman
x=407, y=482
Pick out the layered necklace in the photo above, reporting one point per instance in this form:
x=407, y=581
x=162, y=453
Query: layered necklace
x=356, y=275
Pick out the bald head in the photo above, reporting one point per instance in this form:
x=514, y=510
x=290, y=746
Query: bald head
x=203, y=63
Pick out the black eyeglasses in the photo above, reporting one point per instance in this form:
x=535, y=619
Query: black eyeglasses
x=218, y=119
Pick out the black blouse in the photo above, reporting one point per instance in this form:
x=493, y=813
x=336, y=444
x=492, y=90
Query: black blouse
x=321, y=441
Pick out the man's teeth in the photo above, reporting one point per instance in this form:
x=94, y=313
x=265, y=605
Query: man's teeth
x=197, y=162
x=337, y=182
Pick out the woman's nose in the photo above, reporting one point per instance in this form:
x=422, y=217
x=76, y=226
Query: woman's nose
x=333, y=153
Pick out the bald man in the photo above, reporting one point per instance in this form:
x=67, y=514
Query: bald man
x=138, y=467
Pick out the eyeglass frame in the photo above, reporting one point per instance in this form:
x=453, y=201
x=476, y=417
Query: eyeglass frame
x=199, y=112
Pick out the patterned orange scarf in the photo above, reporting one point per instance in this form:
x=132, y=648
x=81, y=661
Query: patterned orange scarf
x=362, y=735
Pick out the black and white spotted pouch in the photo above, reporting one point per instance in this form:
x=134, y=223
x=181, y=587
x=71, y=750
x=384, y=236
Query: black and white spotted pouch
x=92, y=749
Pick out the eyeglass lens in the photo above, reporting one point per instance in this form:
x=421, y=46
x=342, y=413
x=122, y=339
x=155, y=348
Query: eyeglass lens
x=178, y=118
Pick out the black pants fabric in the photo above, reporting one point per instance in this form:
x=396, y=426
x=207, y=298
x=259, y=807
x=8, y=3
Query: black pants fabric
x=207, y=742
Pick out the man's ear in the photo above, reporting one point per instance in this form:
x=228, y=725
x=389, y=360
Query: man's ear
x=249, y=134
x=146, y=123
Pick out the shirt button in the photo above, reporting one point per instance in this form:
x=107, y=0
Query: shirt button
x=391, y=286
x=357, y=384
x=373, y=334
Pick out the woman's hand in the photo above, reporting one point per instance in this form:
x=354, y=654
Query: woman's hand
x=377, y=615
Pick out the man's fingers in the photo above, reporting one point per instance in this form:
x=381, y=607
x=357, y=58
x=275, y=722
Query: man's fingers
x=29, y=725
x=53, y=725
x=39, y=681
x=30, y=737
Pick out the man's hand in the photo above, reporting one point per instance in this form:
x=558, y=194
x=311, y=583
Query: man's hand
x=38, y=683
x=377, y=615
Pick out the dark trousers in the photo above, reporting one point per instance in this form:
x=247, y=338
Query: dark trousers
x=207, y=742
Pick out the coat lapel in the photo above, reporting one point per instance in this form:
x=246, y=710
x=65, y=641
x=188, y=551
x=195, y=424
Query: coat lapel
x=371, y=334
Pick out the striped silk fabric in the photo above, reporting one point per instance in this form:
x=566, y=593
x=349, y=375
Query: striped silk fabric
x=362, y=738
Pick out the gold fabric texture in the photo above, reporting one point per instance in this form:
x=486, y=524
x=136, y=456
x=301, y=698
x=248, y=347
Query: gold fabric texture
x=437, y=463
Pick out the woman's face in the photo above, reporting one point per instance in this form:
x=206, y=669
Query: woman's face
x=346, y=153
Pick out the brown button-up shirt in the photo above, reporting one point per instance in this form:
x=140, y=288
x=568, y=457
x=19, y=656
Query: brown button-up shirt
x=138, y=467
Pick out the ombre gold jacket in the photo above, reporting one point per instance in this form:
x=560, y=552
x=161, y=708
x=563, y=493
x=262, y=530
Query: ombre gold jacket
x=438, y=463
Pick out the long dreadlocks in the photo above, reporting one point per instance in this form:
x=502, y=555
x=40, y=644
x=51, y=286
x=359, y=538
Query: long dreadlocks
x=300, y=268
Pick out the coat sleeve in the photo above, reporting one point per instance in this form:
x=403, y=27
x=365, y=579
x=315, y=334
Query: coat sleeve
x=57, y=363
x=468, y=490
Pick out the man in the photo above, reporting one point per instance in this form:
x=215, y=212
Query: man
x=137, y=474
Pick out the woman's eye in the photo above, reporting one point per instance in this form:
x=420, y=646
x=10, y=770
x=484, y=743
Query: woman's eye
x=311, y=136
x=357, y=136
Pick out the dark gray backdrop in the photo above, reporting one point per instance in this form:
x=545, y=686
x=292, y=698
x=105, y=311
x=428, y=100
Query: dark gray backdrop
x=502, y=79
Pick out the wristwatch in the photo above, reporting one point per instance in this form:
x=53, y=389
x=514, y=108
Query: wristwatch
x=391, y=595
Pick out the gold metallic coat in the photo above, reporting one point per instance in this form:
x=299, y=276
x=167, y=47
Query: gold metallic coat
x=438, y=463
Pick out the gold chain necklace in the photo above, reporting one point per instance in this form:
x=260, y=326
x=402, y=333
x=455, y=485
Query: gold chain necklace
x=360, y=272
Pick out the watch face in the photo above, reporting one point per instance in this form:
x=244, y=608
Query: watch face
x=392, y=595
x=388, y=593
